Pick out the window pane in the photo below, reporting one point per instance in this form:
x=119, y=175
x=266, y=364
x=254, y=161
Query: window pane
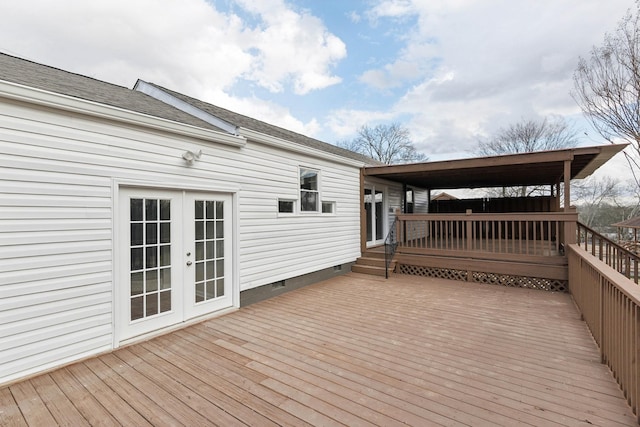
x=210, y=249
x=210, y=229
x=165, y=210
x=137, y=308
x=165, y=301
x=211, y=290
x=199, y=271
x=220, y=268
x=152, y=304
x=199, y=230
x=151, y=210
x=199, y=292
x=152, y=257
x=136, y=259
x=152, y=233
x=165, y=255
x=137, y=283
x=136, y=209
x=219, y=210
x=220, y=287
x=308, y=179
x=136, y=234
x=219, y=229
x=309, y=201
x=152, y=280
x=210, y=270
x=285, y=206
x=220, y=248
x=327, y=207
x=211, y=209
x=199, y=251
x=165, y=232
x=165, y=278
x=199, y=209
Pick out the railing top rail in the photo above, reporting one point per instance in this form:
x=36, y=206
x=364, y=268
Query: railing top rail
x=609, y=241
x=553, y=216
x=619, y=280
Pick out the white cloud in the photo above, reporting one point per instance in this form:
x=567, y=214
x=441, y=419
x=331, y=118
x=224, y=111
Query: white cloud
x=503, y=60
x=186, y=45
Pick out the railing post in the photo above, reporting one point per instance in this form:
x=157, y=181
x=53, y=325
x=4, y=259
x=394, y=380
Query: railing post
x=571, y=229
x=469, y=231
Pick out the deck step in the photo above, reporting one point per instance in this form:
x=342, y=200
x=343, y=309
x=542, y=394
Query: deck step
x=368, y=269
x=372, y=262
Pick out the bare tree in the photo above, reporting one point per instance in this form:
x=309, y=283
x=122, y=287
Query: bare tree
x=550, y=133
x=592, y=192
x=390, y=144
x=526, y=136
x=607, y=87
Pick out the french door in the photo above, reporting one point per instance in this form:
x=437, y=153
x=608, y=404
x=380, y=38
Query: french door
x=374, y=205
x=174, y=258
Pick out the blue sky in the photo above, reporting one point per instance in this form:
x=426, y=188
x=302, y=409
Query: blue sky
x=451, y=71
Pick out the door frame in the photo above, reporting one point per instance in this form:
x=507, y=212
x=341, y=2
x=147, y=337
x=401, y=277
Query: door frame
x=117, y=268
x=385, y=214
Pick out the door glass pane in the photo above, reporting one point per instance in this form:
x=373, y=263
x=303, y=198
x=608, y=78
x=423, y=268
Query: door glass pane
x=209, y=244
x=150, y=219
x=379, y=216
x=367, y=207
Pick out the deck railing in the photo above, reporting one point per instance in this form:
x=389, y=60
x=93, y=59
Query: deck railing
x=610, y=305
x=606, y=250
x=390, y=246
x=514, y=236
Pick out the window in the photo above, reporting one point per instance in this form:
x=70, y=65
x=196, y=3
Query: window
x=409, y=201
x=328, y=207
x=308, y=190
x=286, y=206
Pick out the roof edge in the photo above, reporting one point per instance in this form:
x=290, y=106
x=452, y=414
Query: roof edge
x=31, y=95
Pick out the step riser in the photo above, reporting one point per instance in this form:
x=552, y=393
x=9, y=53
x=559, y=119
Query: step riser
x=368, y=270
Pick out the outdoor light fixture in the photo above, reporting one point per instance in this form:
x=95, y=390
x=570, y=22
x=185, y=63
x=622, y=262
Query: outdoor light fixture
x=190, y=156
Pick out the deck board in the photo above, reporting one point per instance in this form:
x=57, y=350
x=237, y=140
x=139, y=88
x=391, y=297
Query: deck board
x=355, y=350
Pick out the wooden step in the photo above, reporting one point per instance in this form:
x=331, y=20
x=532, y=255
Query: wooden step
x=365, y=260
x=368, y=269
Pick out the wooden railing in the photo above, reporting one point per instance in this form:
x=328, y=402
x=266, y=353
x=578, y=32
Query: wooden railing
x=614, y=255
x=518, y=236
x=610, y=305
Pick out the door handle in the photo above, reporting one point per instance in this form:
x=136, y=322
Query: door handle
x=189, y=263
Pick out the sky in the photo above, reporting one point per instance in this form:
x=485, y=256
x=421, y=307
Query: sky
x=450, y=71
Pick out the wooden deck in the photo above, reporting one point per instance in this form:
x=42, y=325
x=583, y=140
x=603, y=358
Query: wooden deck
x=356, y=351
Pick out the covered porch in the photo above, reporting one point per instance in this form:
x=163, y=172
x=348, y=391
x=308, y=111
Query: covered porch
x=355, y=350
x=518, y=241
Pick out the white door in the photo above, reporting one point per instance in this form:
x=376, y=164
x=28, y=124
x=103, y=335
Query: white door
x=374, y=205
x=174, y=258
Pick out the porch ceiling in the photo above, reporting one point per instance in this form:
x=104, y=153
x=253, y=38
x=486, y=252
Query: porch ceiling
x=540, y=168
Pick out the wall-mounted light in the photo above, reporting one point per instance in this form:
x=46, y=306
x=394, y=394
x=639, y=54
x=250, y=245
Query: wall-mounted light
x=191, y=156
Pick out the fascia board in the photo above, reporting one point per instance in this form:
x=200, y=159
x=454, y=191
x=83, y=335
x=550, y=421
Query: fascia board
x=58, y=101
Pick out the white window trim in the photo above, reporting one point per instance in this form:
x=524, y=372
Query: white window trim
x=318, y=210
x=287, y=199
x=333, y=207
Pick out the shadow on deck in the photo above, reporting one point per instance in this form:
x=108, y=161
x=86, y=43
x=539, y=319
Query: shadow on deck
x=354, y=350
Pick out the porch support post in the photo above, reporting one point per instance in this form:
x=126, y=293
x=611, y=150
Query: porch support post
x=363, y=216
x=567, y=185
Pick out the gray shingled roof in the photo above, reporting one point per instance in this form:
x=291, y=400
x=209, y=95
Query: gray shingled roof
x=32, y=74
x=266, y=128
x=28, y=73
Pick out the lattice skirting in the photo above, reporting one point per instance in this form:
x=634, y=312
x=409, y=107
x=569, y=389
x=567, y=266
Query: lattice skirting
x=490, y=278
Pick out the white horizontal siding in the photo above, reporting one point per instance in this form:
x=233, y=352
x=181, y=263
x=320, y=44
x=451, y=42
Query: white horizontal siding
x=57, y=172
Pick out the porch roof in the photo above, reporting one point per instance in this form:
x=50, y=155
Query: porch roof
x=539, y=168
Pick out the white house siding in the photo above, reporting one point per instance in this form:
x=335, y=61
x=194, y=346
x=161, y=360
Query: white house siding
x=420, y=201
x=57, y=175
